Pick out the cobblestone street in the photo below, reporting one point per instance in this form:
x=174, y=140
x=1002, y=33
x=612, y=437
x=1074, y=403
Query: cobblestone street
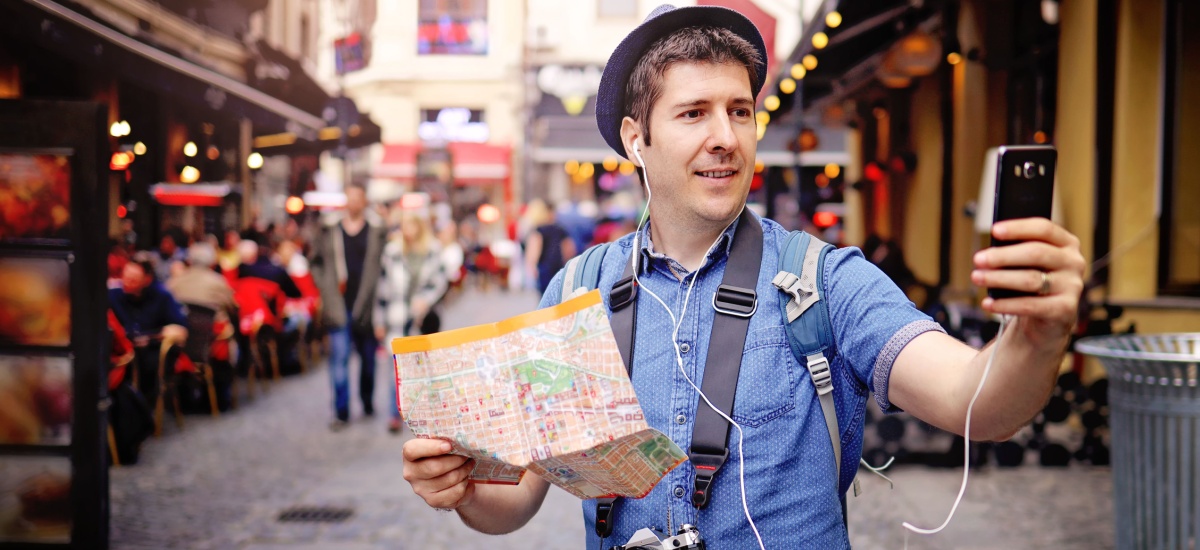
x=222, y=484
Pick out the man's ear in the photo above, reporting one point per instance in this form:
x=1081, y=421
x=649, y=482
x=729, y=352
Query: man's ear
x=631, y=132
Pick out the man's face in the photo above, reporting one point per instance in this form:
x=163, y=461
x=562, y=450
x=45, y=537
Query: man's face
x=134, y=279
x=701, y=159
x=356, y=201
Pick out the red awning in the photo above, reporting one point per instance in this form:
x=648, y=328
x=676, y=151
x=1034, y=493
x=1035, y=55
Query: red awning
x=474, y=163
x=190, y=194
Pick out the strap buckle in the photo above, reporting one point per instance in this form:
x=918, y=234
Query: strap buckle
x=604, y=516
x=624, y=292
x=735, y=301
x=822, y=377
x=706, y=466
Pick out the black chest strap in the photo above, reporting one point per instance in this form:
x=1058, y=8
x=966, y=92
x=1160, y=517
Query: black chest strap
x=735, y=302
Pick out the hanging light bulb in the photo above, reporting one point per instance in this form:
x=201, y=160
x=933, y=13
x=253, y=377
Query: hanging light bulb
x=190, y=149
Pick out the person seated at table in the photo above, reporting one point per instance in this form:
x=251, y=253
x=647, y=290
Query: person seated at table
x=150, y=315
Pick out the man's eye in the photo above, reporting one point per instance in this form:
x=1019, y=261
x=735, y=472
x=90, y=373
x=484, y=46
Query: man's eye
x=741, y=112
x=694, y=113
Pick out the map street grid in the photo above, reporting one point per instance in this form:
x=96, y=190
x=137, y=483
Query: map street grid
x=545, y=392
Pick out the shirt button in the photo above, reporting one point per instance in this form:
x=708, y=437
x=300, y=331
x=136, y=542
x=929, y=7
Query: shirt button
x=680, y=419
x=684, y=347
x=679, y=492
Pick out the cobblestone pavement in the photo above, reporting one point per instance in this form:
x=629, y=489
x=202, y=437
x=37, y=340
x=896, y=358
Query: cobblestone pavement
x=222, y=484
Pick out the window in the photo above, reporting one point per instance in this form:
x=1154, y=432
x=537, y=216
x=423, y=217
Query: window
x=452, y=27
x=617, y=8
x=1179, y=226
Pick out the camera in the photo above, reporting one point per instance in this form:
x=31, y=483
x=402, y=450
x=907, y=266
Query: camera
x=688, y=538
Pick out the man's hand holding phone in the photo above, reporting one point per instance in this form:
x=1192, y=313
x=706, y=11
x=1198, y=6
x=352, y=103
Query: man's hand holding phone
x=1045, y=263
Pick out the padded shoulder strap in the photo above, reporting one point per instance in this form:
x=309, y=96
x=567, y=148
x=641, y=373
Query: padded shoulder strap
x=583, y=271
x=810, y=334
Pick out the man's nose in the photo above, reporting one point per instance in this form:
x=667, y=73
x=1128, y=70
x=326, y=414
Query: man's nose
x=721, y=137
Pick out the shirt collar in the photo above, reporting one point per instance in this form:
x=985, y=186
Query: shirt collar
x=724, y=244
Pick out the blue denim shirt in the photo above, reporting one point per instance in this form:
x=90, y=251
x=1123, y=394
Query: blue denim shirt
x=787, y=455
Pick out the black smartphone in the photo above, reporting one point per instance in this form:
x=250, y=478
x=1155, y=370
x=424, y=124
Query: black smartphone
x=1024, y=189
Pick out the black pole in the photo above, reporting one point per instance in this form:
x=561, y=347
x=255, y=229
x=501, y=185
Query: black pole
x=950, y=22
x=1106, y=79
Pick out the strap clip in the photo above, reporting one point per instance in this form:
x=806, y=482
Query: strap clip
x=706, y=466
x=818, y=368
x=735, y=301
x=624, y=292
x=604, y=516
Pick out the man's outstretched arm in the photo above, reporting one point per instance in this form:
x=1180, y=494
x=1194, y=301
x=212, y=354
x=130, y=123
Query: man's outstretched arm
x=441, y=479
x=935, y=375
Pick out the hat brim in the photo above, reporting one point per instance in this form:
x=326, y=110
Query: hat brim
x=610, y=99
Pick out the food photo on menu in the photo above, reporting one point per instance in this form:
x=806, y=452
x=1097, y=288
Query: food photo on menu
x=34, y=196
x=35, y=302
x=35, y=400
x=35, y=499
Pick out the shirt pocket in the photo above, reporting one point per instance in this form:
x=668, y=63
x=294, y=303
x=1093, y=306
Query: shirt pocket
x=766, y=387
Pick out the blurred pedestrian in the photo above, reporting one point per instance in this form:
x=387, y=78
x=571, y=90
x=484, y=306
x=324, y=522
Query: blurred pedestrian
x=345, y=264
x=413, y=282
x=228, y=257
x=548, y=249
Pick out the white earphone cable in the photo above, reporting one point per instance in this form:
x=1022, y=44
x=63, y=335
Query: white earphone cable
x=676, y=323
x=966, y=439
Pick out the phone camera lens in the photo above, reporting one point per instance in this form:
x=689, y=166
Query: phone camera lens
x=1029, y=169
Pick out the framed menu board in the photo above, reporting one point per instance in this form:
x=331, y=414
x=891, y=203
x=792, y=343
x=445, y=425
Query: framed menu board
x=53, y=306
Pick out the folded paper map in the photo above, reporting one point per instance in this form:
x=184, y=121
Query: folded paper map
x=545, y=391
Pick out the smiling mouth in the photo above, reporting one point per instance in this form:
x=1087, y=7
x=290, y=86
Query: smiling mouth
x=718, y=173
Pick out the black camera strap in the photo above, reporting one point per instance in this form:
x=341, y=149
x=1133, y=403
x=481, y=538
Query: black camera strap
x=735, y=302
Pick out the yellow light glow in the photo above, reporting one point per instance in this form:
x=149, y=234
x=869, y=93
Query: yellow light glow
x=189, y=174
x=115, y=129
x=809, y=61
x=759, y=166
x=820, y=40
x=611, y=163
x=254, y=161
x=627, y=168
x=488, y=213
x=762, y=117
x=190, y=149
x=571, y=167
x=798, y=71
x=954, y=58
x=833, y=19
x=294, y=205
x=787, y=85
x=139, y=148
x=587, y=170
x=771, y=102
x=832, y=170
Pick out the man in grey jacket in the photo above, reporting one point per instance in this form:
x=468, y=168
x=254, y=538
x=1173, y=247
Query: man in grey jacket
x=345, y=264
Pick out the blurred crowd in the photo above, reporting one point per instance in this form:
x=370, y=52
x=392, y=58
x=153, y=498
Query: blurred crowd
x=203, y=319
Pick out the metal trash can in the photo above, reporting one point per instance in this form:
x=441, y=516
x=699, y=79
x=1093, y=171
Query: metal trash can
x=1154, y=406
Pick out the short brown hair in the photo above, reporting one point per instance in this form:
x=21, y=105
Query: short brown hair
x=690, y=44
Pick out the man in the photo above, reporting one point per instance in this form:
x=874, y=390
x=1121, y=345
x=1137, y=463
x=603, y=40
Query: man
x=677, y=97
x=150, y=315
x=199, y=284
x=259, y=266
x=346, y=267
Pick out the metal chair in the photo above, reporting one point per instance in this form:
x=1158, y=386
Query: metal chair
x=199, y=347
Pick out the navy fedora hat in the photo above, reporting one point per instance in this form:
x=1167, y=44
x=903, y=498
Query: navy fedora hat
x=665, y=19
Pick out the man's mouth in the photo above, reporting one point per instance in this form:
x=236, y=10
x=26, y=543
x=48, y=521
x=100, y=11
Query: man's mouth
x=718, y=173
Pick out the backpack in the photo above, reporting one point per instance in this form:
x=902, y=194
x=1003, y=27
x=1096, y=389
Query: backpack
x=810, y=333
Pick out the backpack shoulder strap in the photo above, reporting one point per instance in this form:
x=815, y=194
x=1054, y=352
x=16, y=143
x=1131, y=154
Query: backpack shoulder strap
x=810, y=334
x=583, y=271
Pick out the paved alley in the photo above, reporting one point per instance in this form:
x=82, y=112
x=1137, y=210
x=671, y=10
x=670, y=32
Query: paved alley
x=223, y=483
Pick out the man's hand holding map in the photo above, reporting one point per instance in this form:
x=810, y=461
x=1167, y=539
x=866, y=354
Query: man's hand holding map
x=545, y=391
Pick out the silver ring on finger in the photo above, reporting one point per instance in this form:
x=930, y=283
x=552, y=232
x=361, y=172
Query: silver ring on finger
x=1045, y=288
